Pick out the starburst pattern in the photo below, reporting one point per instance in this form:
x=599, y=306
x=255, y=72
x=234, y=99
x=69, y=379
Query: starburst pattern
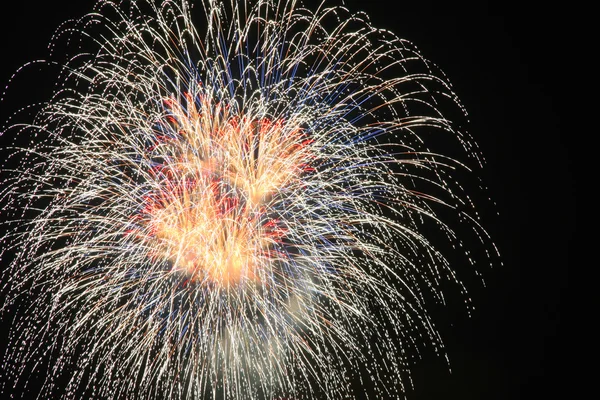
x=238, y=209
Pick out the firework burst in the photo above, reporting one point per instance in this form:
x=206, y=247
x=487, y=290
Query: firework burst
x=240, y=208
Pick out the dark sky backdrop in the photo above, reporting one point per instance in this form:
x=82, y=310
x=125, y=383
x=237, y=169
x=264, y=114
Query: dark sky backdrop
x=511, y=65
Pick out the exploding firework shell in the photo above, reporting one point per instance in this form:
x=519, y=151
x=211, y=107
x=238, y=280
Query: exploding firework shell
x=240, y=209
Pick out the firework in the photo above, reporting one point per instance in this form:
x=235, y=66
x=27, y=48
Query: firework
x=241, y=208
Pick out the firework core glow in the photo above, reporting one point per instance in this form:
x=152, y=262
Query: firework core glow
x=209, y=217
x=240, y=200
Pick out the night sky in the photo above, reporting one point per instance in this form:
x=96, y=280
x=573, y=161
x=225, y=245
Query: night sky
x=511, y=65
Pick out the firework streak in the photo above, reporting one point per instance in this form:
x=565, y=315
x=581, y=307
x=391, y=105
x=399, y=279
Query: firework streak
x=243, y=208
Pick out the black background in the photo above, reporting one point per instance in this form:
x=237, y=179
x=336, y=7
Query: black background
x=513, y=65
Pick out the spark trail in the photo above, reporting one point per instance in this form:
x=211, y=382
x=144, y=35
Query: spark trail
x=241, y=208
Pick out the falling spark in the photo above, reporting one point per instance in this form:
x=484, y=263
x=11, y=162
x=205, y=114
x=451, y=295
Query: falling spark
x=250, y=207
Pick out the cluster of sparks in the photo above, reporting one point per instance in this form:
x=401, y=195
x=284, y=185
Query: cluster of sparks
x=217, y=176
x=235, y=214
